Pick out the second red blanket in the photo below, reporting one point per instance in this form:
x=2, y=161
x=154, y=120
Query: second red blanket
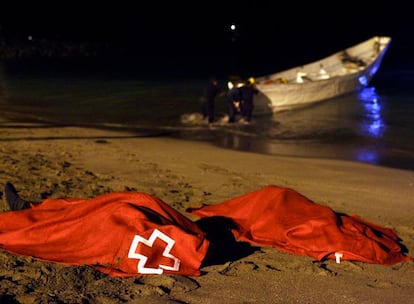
x=283, y=218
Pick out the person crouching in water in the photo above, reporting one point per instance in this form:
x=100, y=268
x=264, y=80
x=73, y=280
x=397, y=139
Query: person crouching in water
x=233, y=101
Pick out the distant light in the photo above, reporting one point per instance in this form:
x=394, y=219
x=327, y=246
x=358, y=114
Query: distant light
x=233, y=27
x=30, y=38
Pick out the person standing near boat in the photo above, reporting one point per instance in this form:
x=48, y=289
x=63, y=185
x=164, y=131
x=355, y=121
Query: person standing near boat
x=208, y=105
x=247, y=93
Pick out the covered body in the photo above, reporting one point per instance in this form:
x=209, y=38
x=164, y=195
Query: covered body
x=122, y=234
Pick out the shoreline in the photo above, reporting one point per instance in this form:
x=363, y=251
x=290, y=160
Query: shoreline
x=397, y=159
x=84, y=162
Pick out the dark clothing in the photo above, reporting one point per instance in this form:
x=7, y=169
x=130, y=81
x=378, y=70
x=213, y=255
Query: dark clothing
x=210, y=93
x=13, y=198
x=247, y=93
x=233, y=99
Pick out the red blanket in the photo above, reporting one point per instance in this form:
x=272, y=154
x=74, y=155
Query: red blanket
x=130, y=233
x=284, y=219
x=122, y=234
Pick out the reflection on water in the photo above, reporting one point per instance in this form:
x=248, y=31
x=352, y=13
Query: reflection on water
x=373, y=125
x=351, y=127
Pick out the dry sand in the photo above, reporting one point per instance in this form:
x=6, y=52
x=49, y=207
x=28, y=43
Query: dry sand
x=48, y=161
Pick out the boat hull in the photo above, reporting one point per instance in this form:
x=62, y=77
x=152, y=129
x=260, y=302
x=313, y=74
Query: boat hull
x=282, y=91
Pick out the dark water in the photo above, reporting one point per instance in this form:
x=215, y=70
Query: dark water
x=374, y=126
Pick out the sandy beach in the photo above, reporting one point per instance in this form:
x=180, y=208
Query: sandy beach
x=51, y=161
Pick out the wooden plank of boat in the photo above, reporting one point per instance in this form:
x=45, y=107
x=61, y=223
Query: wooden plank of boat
x=341, y=73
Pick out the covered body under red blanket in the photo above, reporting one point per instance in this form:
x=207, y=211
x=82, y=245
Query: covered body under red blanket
x=131, y=233
x=123, y=234
x=283, y=218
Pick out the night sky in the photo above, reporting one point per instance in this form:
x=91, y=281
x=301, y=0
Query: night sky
x=268, y=34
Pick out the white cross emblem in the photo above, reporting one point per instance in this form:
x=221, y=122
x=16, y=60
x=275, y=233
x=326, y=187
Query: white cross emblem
x=143, y=259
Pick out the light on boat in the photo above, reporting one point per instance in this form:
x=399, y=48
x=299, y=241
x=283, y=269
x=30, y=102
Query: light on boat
x=363, y=80
x=233, y=27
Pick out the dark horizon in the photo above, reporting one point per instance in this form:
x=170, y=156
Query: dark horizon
x=267, y=38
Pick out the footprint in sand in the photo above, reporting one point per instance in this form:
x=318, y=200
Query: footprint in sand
x=169, y=284
x=239, y=268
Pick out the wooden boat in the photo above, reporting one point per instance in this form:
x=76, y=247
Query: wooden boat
x=341, y=73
